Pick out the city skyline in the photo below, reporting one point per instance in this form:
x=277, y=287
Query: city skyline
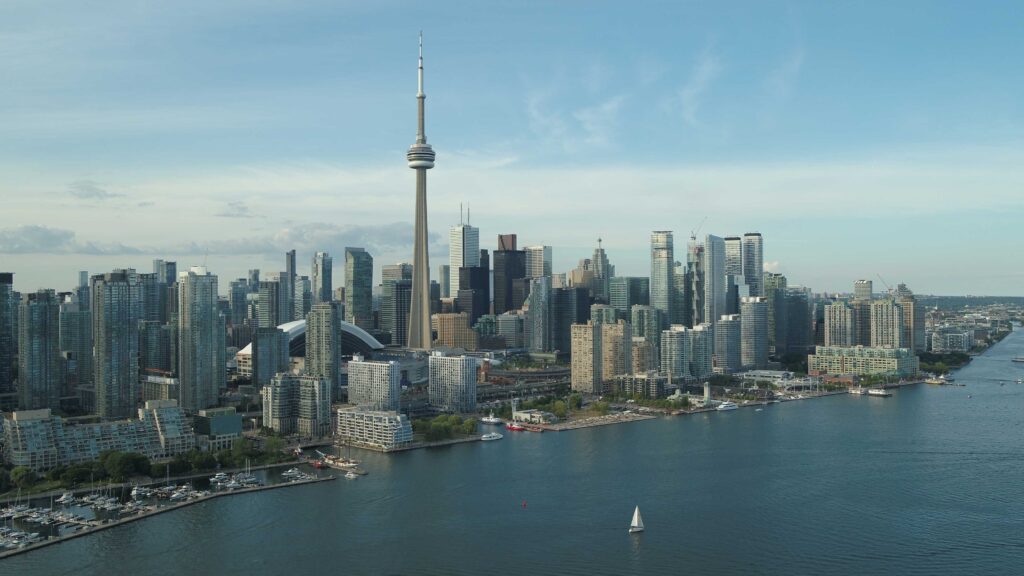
x=717, y=114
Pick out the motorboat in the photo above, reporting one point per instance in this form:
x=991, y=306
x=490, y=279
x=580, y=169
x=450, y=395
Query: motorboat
x=858, y=391
x=882, y=392
x=726, y=406
x=515, y=427
x=350, y=475
x=491, y=436
x=66, y=498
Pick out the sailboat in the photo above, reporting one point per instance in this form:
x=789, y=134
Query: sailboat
x=637, y=525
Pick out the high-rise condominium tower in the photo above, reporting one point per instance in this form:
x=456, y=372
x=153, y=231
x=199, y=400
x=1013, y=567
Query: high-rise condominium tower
x=662, y=272
x=201, y=333
x=421, y=159
x=40, y=370
x=322, y=282
x=116, y=308
x=753, y=262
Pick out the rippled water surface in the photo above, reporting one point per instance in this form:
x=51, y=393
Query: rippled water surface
x=929, y=481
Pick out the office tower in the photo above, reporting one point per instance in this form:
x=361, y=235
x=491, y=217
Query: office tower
x=585, y=363
x=538, y=261
x=40, y=365
x=287, y=280
x=774, y=292
x=733, y=256
x=681, y=295
x=714, y=279
x=303, y=297
x=153, y=294
x=395, y=304
x=702, y=344
x=728, y=347
x=444, y=279
x=76, y=346
x=323, y=342
x=603, y=314
x=675, y=353
x=568, y=306
x=238, y=292
x=201, y=346
x=799, y=325
x=374, y=385
x=435, y=297
x=538, y=315
x=474, y=288
x=624, y=292
x=603, y=273
x=158, y=346
x=754, y=333
x=452, y=384
x=116, y=309
x=359, y=287
x=662, y=273
x=647, y=322
x=454, y=331
x=7, y=336
x=886, y=324
x=840, y=325
x=323, y=282
x=166, y=272
x=395, y=272
x=753, y=262
x=616, y=350
x=863, y=290
x=273, y=304
x=913, y=319
x=254, y=280
x=421, y=158
x=463, y=251
x=511, y=327
x=509, y=265
x=269, y=355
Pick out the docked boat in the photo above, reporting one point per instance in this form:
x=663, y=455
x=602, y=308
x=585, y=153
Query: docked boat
x=339, y=462
x=491, y=419
x=726, y=406
x=859, y=391
x=879, y=392
x=291, y=472
x=350, y=475
x=491, y=436
x=515, y=427
x=66, y=498
x=637, y=524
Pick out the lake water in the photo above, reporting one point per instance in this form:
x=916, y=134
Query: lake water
x=929, y=481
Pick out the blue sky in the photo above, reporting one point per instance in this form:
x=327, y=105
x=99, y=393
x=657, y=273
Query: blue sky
x=859, y=138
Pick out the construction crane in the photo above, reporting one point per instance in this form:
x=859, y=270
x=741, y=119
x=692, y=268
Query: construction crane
x=693, y=233
x=886, y=284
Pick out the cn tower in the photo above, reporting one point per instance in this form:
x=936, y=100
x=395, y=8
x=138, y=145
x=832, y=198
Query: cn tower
x=421, y=159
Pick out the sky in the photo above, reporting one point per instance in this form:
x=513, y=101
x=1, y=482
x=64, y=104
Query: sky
x=862, y=139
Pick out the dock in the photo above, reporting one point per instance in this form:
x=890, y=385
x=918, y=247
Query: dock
x=91, y=527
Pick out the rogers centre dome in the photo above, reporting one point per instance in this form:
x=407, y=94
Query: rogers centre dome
x=354, y=340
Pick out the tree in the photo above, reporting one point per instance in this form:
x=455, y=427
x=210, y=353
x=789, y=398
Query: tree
x=23, y=477
x=600, y=407
x=575, y=401
x=273, y=445
x=559, y=409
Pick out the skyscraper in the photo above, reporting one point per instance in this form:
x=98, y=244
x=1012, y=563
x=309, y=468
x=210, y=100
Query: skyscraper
x=323, y=342
x=288, y=286
x=509, y=265
x=840, y=325
x=421, y=159
x=201, y=332
x=714, y=279
x=7, y=336
x=753, y=262
x=624, y=292
x=272, y=304
x=302, y=298
x=538, y=261
x=40, y=373
x=662, y=272
x=359, y=287
x=774, y=293
x=116, y=309
x=733, y=256
x=728, y=353
x=603, y=273
x=675, y=352
x=463, y=252
x=323, y=282
x=444, y=280
x=395, y=302
x=754, y=333
x=913, y=319
x=863, y=290
x=887, y=324
x=647, y=322
x=76, y=346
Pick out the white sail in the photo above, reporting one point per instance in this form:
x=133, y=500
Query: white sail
x=638, y=524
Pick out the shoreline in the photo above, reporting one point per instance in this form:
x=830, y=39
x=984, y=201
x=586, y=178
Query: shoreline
x=160, y=510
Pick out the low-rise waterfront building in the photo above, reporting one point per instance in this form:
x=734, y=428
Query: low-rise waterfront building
x=217, y=428
x=648, y=384
x=385, y=430
x=861, y=360
x=39, y=440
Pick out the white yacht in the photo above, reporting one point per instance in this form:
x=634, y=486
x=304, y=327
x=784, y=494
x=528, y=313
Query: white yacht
x=491, y=419
x=491, y=436
x=726, y=406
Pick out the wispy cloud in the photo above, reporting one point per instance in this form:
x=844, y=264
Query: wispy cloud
x=598, y=122
x=90, y=190
x=32, y=239
x=705, y=70
x=237, y=209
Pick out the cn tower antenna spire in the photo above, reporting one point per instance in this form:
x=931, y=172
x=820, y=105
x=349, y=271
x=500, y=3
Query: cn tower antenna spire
x=421, y=158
